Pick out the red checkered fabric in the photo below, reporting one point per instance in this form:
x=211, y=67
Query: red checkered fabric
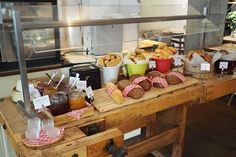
x=160, y=81
x=129, y=88
x=177, y=74
x=44, y=139
x=140, y=79
x=110, y=90
x=77, y=113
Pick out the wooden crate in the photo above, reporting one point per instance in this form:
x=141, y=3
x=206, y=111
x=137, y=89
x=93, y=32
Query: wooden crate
x=65, y=119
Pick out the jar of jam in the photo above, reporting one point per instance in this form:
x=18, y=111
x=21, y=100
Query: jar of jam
x=77, y=100
x=59, y=103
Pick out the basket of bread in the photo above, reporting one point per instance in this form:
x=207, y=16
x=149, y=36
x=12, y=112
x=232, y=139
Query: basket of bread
x=110, y=66
x=135, y=62
x=194, y=62
x=163, y=57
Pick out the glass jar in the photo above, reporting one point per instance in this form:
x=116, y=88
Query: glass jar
x=77, y=100
x=59, y=103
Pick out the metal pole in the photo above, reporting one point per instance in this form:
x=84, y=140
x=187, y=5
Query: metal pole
x=21, y=59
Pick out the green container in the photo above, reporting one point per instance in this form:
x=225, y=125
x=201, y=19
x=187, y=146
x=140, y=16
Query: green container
x=133, y=69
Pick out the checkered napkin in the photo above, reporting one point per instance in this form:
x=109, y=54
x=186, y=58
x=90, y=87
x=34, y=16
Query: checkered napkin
x=129, y=88
x=160, y=81
x=77, y=113
x=110, y=90
x=140, y=79
x=44, y=139
x=177, y=74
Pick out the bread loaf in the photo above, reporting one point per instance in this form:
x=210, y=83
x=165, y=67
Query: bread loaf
x=142, y=81
x=130, y=90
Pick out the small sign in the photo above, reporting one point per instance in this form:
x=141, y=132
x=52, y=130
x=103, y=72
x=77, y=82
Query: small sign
x=34, y=93
x=205, y=67
x=71, y=80
x=177, y=62
x=224, y=65
x=89, y=92
x=81, y=85
x=152, y=64
x=41, y=102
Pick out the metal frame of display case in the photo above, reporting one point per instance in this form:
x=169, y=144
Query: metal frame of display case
x=20, y=26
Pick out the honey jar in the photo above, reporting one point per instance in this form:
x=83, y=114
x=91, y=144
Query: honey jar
x=77, y=100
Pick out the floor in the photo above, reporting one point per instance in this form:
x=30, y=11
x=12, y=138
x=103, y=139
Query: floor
x=210, y=131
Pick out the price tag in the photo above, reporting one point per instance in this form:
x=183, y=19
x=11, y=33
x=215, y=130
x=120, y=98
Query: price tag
x=205, y=67
x=224, y=65
x=152, y=64
x=34, y=93
x=41, y=102
x=177, y=61
x=89, y=92
x=71, y=80
x=81, y=85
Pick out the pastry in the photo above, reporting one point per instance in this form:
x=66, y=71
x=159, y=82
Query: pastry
x=174, y=78
x=109, y=60
x=130, y=90
x=201, y=53
x=143, y=81
x=114, y=92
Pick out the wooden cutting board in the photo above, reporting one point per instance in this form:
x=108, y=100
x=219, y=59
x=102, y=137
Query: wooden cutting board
x=103, y=102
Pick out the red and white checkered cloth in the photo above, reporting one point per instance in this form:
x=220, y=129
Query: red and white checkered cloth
x=160, y=81
x=140, y=79
x=177, y=74
x=129, y=88
x=77, y=113
x=110, y=90
x=44, y=139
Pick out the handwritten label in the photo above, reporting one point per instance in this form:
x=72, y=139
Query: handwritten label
x=41, y=102
x=205, y=67
x=81, y=85
x=177, y=62
x=224, y=65
x=89, y=92
x=152, y=64
x=34, y=93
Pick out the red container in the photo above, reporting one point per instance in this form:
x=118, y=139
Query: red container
x=163, y=65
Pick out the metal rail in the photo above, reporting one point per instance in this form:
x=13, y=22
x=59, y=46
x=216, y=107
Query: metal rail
x=111, y=21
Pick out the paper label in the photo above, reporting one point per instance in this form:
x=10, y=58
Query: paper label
x=34, y=93
x=205, y=67
x=71, y=80
x=41, y=102
x=81, y=85
x=89, y=92
x=177, y=62
x=152, y=64
x=224, y=65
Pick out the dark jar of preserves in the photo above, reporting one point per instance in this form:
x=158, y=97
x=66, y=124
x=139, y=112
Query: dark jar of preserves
x=59, y=103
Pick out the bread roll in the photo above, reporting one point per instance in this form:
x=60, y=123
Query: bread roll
x=145, y=84
x=114, y=92
x=135, y=93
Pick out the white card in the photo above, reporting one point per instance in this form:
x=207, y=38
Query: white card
x=205, y=67
x=89, y=92
x=81, y=85
x=224, y=65
x=41, y=102
x=34, y=93
x=177, y=61
x=71, y=80
x=152, y=64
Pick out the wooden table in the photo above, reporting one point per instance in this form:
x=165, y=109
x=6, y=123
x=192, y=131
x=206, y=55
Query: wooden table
x=229, y=39
x=113, y=124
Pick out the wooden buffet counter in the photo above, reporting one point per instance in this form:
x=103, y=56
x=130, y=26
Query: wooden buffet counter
x=114, y=122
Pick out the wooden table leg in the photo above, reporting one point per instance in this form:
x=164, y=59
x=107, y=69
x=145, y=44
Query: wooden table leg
x=178, y=145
